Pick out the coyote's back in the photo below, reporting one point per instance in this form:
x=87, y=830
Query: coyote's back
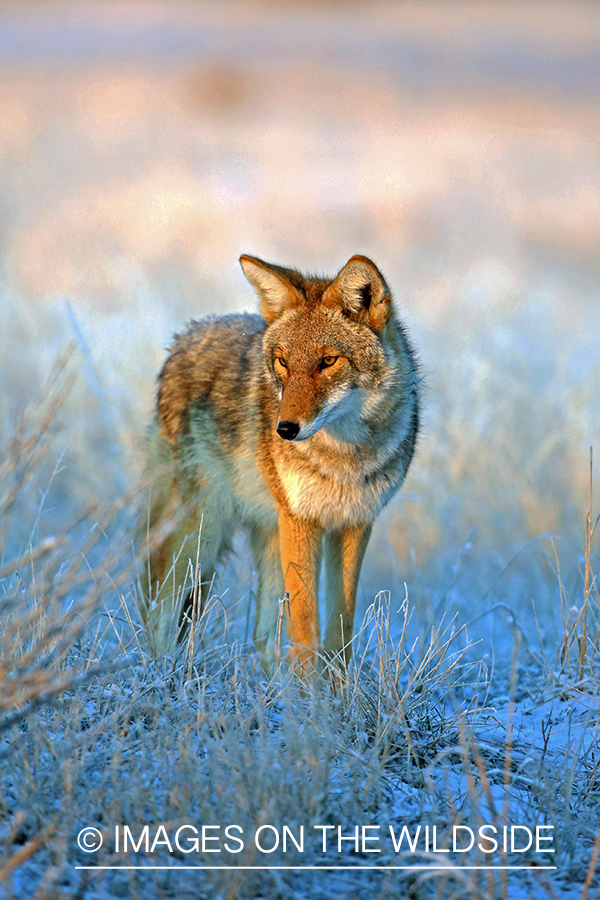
x=299, y=425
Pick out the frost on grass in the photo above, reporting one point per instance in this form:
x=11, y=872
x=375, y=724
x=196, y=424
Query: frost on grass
x=418, y=735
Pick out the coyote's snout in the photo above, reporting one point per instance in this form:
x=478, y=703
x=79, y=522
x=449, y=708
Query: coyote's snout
x=299, y=425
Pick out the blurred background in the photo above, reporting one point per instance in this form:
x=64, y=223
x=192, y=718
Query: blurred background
x=145, y=145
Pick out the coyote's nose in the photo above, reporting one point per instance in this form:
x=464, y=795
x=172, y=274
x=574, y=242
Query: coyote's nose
x=288, y=430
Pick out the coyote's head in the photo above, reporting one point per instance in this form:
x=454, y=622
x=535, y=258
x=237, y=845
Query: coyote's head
x=325, y=345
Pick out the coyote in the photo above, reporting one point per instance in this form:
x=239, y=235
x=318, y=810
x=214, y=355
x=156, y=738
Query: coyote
x=298, y=424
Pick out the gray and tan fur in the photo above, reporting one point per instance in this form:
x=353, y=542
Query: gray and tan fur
x=299, y=425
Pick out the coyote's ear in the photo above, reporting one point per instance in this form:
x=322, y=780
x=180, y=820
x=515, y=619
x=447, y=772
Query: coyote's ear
x=278, y=288
x=360, y=289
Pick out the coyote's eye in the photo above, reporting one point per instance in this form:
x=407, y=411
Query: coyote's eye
x=328, y=361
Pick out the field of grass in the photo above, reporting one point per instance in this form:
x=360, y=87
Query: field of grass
x=143, y=148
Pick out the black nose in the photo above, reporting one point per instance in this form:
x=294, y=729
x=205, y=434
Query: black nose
x=288, y=430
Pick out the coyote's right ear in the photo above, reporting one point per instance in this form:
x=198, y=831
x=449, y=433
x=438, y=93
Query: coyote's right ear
x=278, y=288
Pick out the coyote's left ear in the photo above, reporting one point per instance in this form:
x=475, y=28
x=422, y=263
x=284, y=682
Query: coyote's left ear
x=360, y=289
x=277, y=288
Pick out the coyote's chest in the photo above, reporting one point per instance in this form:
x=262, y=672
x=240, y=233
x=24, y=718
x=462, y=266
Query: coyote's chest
x=335, y=490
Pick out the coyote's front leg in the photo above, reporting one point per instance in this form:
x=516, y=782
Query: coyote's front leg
x=300, y=544
x=344, y=552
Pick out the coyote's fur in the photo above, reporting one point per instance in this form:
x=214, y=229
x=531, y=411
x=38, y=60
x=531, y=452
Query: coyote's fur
x=299, y=425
